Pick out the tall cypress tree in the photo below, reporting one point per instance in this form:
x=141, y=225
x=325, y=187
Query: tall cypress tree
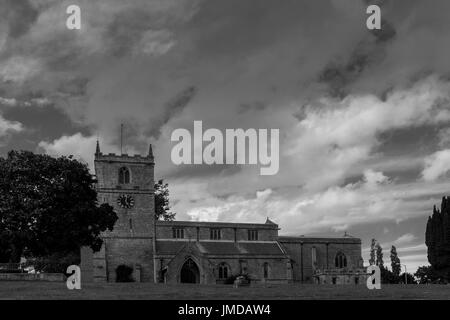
x=372, y=252
x=379, y=252
x=437, y=238
x=395, y=262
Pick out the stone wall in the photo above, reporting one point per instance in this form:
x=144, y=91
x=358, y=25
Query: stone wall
x=301, y=249
x=137, y=221
x=86, y=264
x=107, y=167
x=133, y=252
x=337, y=277
x=278, y=268
x=52, y=277
x=229, y=231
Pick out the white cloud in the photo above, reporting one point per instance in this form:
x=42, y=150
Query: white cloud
x=334, y=136
x=38, y=102
x=373, y=178
x=406, y=238
x=9, y=102
x=13, y=102
x=80, y=146
x=415, y=248
x=155, y=43
x=297, y=212
x=19, y=69
x=7, y=128
x=436, y=165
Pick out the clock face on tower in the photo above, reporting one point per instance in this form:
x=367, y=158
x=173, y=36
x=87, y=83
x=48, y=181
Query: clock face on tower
x=125, y=201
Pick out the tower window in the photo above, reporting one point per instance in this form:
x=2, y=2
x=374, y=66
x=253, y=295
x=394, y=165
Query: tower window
x=178, y=233
x=215, y=234
x=124, y=175
x=252, y=235
x=340, y=261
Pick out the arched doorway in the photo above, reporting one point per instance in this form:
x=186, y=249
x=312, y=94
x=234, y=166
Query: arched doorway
x=190, y=272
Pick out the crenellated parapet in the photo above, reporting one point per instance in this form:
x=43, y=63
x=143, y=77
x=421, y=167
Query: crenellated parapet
x=124, y=157
x=137, y=158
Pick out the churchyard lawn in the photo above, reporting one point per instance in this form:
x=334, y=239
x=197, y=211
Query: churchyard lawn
x=57, y=290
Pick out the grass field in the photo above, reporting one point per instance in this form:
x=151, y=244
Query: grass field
x=52, y=290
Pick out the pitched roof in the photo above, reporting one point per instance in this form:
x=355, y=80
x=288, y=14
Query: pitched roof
x=178, y=223
x=222, y=248
x=169, y=247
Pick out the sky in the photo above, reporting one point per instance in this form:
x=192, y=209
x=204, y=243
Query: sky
x=363, y=115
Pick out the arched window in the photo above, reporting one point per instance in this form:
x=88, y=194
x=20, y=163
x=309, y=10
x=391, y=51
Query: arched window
x=340, y=261
x=223, y=271
x=314, y=256
x=124, y=175
x=266, y=270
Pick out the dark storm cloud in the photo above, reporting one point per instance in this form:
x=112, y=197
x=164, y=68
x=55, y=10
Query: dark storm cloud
x=127, y=136
x=180, y=101
x=74, y=87
x=171, y=108
x=386, y=33
x=204, y=171
x=20, y=14
x=125, y=30
x=234, y=30
x=251, y=106
x=36, y=121
x=339, y=75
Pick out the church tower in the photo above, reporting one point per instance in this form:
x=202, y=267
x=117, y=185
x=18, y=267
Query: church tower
x=126, y=183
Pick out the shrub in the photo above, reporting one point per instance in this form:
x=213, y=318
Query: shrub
x=55, y=263
x=124, y=273
x=10, y=271
x=230, y=280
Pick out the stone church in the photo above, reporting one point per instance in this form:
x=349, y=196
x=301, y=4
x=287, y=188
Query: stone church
x=203, y=252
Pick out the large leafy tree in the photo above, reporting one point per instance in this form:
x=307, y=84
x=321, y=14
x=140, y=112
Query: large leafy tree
x=162, y=208
x=427, y=274
x=48, y=205
x=407, y=278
